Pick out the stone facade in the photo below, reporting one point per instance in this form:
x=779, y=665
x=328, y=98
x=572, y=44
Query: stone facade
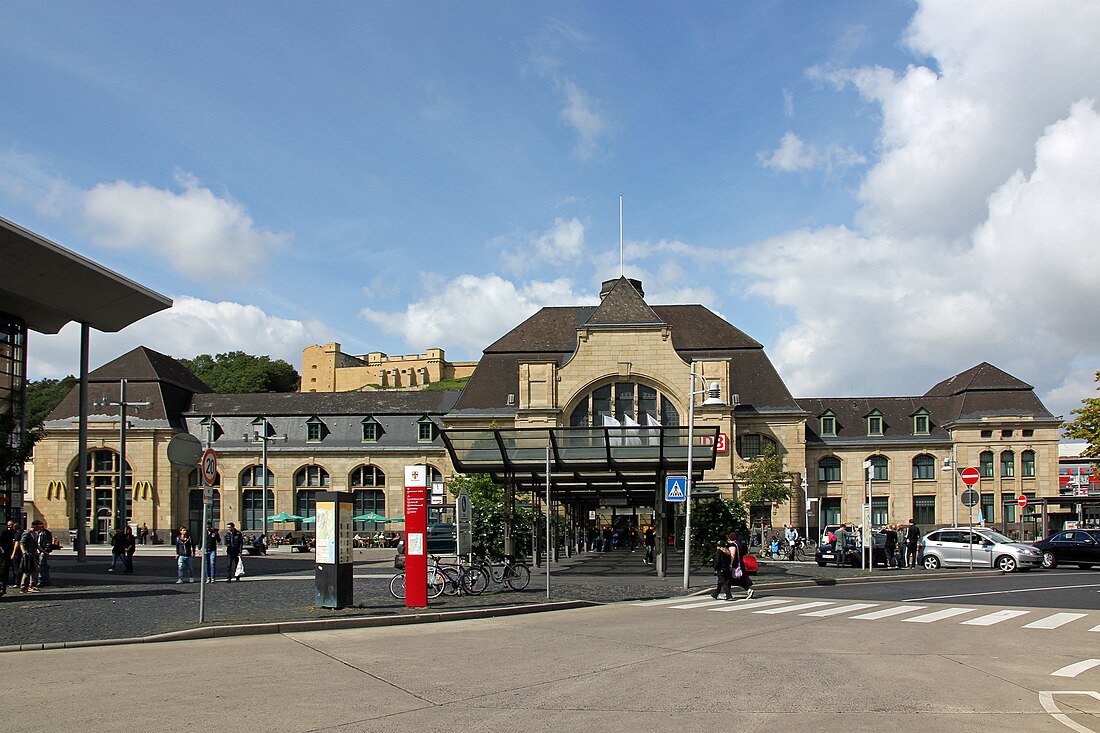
x=326, y=368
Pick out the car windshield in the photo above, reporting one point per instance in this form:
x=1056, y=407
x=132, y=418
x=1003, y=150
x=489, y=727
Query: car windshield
x=996, y=536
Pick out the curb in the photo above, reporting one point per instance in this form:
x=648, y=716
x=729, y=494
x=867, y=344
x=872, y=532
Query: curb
x=288, y=627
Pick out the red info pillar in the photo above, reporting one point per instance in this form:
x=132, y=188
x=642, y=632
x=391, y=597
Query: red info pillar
x=416, y=533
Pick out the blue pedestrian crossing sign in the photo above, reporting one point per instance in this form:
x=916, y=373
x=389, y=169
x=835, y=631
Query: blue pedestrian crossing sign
x=676, y=488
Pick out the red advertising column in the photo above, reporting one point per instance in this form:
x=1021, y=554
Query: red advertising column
x=416, y=532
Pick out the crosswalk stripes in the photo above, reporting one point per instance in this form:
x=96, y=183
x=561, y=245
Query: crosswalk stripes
x=840, y=609
x=887, y=612
x=826, y=609
x=994, y=618
x=1053, y=622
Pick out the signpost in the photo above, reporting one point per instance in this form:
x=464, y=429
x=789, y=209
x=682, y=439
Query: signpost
x=208, y=470
x=970, y=475
x=1022, y=501
x=676, y=488
x=416, y=530
x=465, y=517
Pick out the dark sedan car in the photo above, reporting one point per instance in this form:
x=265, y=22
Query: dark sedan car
x=854, y=554
x=1080, y=547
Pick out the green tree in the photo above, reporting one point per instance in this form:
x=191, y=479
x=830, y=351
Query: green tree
x=238, y=372
x=14, y=453
x=764, y=481
x=487, y=505
x=1086, y=426
x=45, y=394
x=711, y=520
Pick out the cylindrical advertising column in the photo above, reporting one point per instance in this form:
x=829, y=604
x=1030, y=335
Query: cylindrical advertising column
x=416, y=532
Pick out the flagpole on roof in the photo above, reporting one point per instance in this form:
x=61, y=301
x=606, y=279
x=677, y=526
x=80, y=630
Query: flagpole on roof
x=620, y=235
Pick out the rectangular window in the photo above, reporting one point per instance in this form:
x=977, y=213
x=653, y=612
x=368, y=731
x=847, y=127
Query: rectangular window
x=924, y=468
x=1027, y=464
x=425, y=432
x=252, y=508
x=370, y=432
x=1006, y=433
x=987, y=510
x=880, y=511
x=920, y=425
x=987, y=433
x=1008, y=506
x=1008, y=464
x=828, y=425
x=1028, y=432
x=624, y=401
x=924, y=510
x=874, y=425
x=985, y=464
x=313, y=433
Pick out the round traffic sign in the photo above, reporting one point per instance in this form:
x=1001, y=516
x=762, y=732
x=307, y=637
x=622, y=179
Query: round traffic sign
x=1021, y=500
x=969, y=497
x=970, y=475
x=208, y=467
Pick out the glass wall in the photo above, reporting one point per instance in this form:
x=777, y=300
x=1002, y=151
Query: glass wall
x=13, y=392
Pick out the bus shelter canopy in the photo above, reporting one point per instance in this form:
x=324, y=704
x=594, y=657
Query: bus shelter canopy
x=586, y=464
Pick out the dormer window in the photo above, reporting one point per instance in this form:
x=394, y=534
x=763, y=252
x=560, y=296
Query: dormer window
x=315, y=430
x=828, y=424
x=874, y=423
x=921, y=424
x=371, y=430
x=262, y=427
x=425, y=430
x=210, y=427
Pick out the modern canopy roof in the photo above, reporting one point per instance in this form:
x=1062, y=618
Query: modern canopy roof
x=47, y=286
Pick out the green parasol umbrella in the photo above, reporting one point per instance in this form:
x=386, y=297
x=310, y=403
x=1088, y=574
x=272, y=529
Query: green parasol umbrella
x=284, y=517
x=307, y=520
x=369, y=517
x=396, y=519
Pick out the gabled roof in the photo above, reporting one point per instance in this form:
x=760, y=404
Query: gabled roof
x=145, y=365
x=984, y=376
x=274, y=404
x=623, y=305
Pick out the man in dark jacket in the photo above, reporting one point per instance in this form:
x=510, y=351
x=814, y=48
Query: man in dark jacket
x=185, y=550
x=723, y=570
x=119, y=543
x=29, y=554
x=912, y=538
x=9, y=536
x=233, y=540
x=45, y=547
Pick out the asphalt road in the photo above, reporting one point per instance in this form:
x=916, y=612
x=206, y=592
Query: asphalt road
x=791, y=661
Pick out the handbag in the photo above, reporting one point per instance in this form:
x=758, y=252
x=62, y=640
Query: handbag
x=737, y=571
x=240, y=568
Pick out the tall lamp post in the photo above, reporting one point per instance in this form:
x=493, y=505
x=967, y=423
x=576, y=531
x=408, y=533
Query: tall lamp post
x=264, y=439
x=806, y=505
x=952, y=462
x=122, y=404
x=714, y=398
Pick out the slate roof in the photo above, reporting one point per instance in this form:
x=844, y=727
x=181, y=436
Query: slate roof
x=551, y=334
x=984, y=376
x=274, y=404
x=150, y=377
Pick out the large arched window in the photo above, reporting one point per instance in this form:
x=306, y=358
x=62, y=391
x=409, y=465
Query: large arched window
x=99, y=505
x=311, y=476
x=751, y=445
x=1008, y=464
x=880, y=469
x=366, y=476
x=193, y=478
x=828, y=469
x=924, y=467
x=625, y=402
x=369, y=501
x=254, y=476
x=985, y=464
x=1027, y=464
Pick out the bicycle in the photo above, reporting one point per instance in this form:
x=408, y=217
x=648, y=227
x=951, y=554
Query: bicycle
x=516, y=575
x=437, y=582
x=458, y=577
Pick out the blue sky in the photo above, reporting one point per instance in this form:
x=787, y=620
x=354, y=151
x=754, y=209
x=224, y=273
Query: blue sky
x=882, y=193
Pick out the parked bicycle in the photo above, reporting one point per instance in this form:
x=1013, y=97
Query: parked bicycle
x=462, y=578
x=437, y=582
x=516, y=575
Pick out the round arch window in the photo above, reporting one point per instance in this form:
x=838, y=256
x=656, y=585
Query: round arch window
x=624, y=403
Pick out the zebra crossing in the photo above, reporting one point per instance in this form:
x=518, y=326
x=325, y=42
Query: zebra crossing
x=871, y=611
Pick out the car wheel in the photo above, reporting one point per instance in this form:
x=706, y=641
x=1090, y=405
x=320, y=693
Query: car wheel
x=820, y=564
x=931, y=562
x=1006, y=563
x=1049, y=561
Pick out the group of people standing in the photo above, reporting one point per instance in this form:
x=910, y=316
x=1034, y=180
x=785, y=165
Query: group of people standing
x=233, y=542
x=729, y=567
x=901, y=544
x=26, y=556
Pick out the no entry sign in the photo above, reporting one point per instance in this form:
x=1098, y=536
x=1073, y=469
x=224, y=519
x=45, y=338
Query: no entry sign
x=1021, y=500
x=970, y=476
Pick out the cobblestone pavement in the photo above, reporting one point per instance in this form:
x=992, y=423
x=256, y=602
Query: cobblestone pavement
x=86, y=602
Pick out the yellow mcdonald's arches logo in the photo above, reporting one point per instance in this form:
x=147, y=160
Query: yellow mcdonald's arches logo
x=56, y=490
x=143, y=490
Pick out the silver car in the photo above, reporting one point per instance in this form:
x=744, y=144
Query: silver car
x=954, y=547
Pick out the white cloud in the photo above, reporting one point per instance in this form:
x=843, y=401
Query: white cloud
x=581, y=114
x=794, y=154
x=977, y=234
x=201, y=234
x=190, y=327
x=470, y=312
x=560, y=245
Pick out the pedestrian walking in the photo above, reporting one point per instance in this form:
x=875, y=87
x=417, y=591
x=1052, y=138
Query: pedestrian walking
x=912, y=538
x=891, y=533
x=790, y=534
x=185, y=550
x=143, y=533
x=119, y=544
x=45, y=547
x=632, y=533
x=29, y=555
x=234, y=546
x=210, y=551
x=840, y=545
x=723, y=571
x=9, y=540
x=738, y=573
x=131, y=548
x=650, y=543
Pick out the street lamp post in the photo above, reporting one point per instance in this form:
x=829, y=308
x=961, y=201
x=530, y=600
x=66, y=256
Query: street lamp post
x=714, y=398
x=120, y=491
x=264, y=438
x=806, y=506
x=952, y=462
